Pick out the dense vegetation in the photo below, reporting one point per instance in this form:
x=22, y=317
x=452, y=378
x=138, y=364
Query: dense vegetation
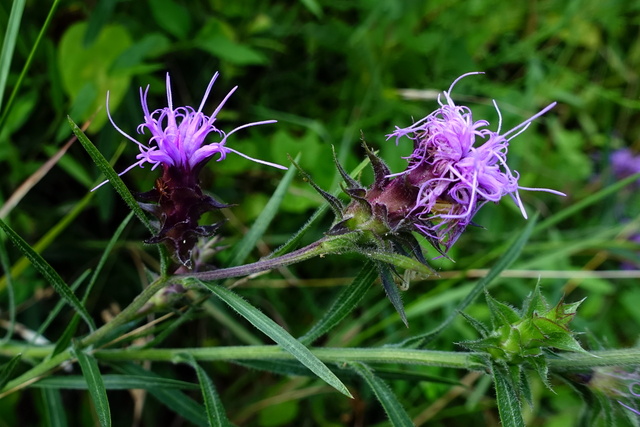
x=332, y=73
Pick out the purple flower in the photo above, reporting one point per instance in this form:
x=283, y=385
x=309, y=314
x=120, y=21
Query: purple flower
x=178, y=134
x=624, y=163
x=177, y=143
x=457, y=166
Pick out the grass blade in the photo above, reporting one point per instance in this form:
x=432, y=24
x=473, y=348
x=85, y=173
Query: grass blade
x=54, y=411
x=215, y=411
x=27, y=64
x=4, y=263
x=276, y=333
x=71, y=328
x=345, y=303
x=396, y=413
x=114, y=382
x=56, y=309
x=7, y=369
x=248, y=242
x=9, y=44
x=91, y=373
x=49, y=273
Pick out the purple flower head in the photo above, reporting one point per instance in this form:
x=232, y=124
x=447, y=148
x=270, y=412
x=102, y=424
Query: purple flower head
x=624, y=163
x=178, y=143
x=457, y=166
x=178, y=134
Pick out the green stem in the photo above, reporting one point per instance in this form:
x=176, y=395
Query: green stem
x=41, y=369
x=131, y=312
x=579, y=361
x=126, y=315
x=460, y=360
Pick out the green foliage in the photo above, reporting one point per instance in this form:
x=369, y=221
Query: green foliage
x=331, y=73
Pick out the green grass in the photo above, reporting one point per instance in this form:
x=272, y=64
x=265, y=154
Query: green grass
x=331, y=73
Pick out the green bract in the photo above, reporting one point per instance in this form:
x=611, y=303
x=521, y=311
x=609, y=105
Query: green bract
x=516, y=336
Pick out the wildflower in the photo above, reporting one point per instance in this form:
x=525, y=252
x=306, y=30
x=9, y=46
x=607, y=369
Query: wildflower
x=624, y=163
x=178, y=134
x=457, y=166
x=177, y=143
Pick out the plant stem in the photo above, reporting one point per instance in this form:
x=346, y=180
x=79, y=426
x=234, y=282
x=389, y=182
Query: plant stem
x=321, y=247
x=129, y=313
x=126, y=315
x=460, y=360
x=580, y=362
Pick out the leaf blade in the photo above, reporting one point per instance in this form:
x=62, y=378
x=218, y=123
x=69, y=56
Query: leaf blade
x=49, y=273
x=276, y=333
x=216, y=414
x=345, y=303
x=97, y=391
x=396, y=413
x=506, y=398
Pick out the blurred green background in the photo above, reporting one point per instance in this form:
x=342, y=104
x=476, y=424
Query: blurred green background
x=329, y=72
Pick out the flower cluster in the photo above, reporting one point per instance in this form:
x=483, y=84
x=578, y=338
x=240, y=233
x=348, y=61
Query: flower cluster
x=457, y=166
x=177, y=143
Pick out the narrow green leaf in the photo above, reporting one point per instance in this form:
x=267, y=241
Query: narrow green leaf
x=509, y=406
x=346, y=301
x=396, y=413
x=114, y=382
x=276, y=333
x=6, y=107
x=49, y=273
x=54, y=410
x=4, y=263
x=92, y=376
x=111, y=175
x=509, y=256
x=215, y=410
x=7, y=369
x=175, y=400
x=400, y=261
x=391, y=289
x=248, y=242
x=9, y=44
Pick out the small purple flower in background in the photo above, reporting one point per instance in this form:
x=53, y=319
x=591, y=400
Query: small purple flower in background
x=177, y=143
x=457, y=166
x=624, y=163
